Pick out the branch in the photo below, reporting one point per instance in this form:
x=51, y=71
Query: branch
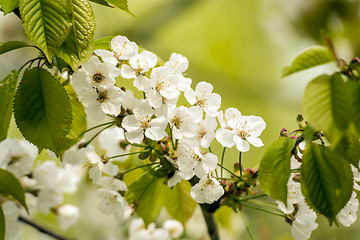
x=42, y=228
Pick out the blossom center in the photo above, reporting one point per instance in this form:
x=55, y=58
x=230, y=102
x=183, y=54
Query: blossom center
x=98, y=77
x=102, y=96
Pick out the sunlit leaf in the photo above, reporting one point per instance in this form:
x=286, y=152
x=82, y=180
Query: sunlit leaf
x=11, y=45
x=101, y=2
x=327, y=105
x=326, y=180
x=148, y=193
x=7, y=92
x=179, y=203
x=122, y=4
x=8, y=6
x=311, y=57
x=46, y=22
x=103, y=43
x=274, y=168
x=42, y=109
x=10, y=185
x=78, y=46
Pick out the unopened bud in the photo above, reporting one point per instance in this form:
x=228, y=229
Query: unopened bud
x=283, y=132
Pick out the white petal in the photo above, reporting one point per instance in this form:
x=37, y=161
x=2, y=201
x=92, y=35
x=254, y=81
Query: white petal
x=241, y=144
x=255, y=141
x=225, y=137
x=130, y=123
x=136, y=136
x=127, y=72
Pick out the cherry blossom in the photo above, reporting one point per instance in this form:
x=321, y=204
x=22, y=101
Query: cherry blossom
x=182, y=121
x=122, y=48
x=207, y=190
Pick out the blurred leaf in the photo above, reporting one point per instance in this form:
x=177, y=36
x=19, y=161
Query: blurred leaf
x=179, y=203
x=326, y=180
x=349, y=146
x=356, y=105
x=7, y=92
x=42, y=110
x=149, y=194
x=103, y=43
x=78, y=46
x=327, y=105
x=122, y=4
x=311, y=57
x=2, y=224
x=11, y=45
x=9, y=184
x=274, y=170
x=8, y=6
x=46, y=22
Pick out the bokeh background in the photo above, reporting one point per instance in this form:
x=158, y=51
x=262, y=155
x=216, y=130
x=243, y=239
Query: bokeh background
x=240, y=47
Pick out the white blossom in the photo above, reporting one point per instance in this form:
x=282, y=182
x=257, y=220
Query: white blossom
x=190, y=159
x=207, y=190
x=139, y=65
x=12, y=224
x=110, y=139
x=142, y=122
x=204, y=98
x=182, y=122
x=239, y=130
x=17, y=156
x=347, y=215
x=67, y=215
x=204, y=129
x=175, y=228
x=122, y=48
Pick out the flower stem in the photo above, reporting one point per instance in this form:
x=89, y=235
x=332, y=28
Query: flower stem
x=41, y=228
x=88, y=142
x=222, y=162
x=263, y=210
x=222, y=167
x=241, y=169
x=171, y=136
x=246, y=226
x=104, y=124
x=146, y=165
x=210, y=223
x=253, y=197
x=127, y=154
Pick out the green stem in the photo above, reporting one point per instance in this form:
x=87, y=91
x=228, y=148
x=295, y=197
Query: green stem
x=222, y=162
x=246, y=226
x=88, y=142
x=240, y=165
x=104, y=124
x=146, y=165
x=263, y=210
x=127, y=154
x=253, y=197
x=222, y=167
x=171, y=136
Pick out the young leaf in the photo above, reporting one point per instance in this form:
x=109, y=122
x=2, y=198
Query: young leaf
x=311, y=57
x=2, y=224
x=101, y=2
x=349, y=146
x=8, y=6
x=327, y=105
x=11, y=45
x=9, y=184
x=42, y=109
x=7, y=92
x=274, y=168
x=326, y=180
x=78, y=46
x=122, y=4
x=46, y=22
x=149, y=195
x=179, y=203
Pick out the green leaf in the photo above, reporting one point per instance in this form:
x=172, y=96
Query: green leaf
x=311, y=57
x=122, y=4
x=274, y=170
x=148, y=193
x=103, y=43
x=101, y=2
x=10, y=185
x=7, y=92
x=179, y=203
x=2, y=224
x=326, y=180
x=349, y=146
x=8, y=6
x=11, y=45
x=42, y=109
x=46, y=22
x=327, y=105
x=78, y=46
x=356, y=105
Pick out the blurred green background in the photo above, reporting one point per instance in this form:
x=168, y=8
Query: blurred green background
x=240, y=47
